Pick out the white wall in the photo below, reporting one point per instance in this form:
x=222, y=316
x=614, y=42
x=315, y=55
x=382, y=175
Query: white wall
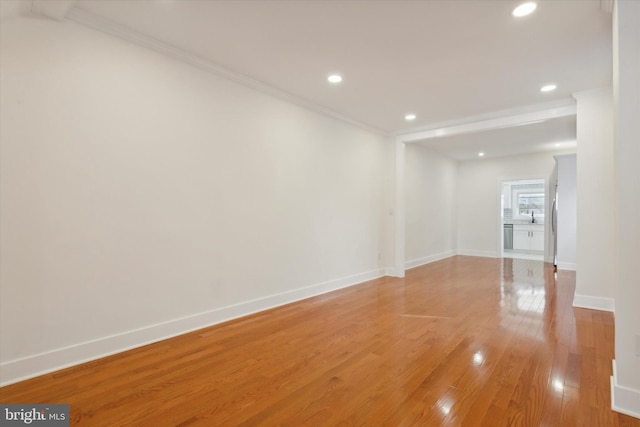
x=479, y=188
x=9, y=9
x=595, y=256
x=387, y=214
x=567, y=215
x=430, y=188
x=626, y=384
x=142, y=197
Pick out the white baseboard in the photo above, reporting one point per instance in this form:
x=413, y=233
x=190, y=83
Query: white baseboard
x=472, y=252
x=594, y=303
x=39, y=364
x=429, y=259
x=624, y=399
x=391, y=272
x=567, y=266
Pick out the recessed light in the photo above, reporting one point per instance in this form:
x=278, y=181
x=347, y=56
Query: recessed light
x=548, y=88
x=480, y=154
x=524, y=9
x=557, y=144
x=334, y=78
x=410, y=117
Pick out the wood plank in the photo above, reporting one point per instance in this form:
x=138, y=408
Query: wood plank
x=463, y=341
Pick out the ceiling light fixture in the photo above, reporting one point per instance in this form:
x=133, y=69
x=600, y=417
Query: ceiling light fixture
x=524, y=9
x=548, y=88
x=481, y=154
x=410, y=117
x=334, y=78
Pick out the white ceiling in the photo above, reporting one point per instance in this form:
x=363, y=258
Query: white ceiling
x=440, y=59
x=12, y=8
x=558, y=134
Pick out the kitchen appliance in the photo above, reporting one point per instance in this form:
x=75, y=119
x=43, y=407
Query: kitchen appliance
x=508, y=236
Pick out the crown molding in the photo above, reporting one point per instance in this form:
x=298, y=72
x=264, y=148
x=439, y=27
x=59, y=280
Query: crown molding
x=495, y=120
x=54, y=9
x=109, y=27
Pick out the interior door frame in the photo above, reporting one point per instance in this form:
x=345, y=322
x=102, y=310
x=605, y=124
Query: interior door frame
x=501, y=182
x=496, y=120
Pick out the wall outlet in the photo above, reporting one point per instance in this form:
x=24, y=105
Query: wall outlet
x=638, y=345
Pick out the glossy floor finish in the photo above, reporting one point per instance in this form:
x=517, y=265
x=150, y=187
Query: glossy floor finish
x=521, y=255
x=463, y=341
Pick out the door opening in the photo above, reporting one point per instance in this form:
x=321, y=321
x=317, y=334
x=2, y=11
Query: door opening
x=522, y=215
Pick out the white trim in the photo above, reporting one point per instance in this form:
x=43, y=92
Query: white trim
x=96, y=22
x=495, y=120
x=399, y=208
x=571, y=266
x=473, y=252
x=594, y=303
x=560, y=156
x=57, y=10
x=429, y=259
x=593, y=93
x=396, y=272
x=501, y=181
x=389, y=271
x=39, y=364
x=624, y=399
x=560, y=103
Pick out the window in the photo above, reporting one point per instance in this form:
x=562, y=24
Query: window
x=529, y=203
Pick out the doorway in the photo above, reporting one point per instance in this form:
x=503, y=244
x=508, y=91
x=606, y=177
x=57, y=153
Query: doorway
x=522, y=215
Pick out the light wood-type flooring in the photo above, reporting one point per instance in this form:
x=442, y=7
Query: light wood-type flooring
x=463, y=341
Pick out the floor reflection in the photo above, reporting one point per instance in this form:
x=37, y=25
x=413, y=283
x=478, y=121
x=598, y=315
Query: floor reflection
x=523, y=294
x=478, y=358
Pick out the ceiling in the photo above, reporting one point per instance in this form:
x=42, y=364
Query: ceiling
x=439, y=59
x=557, y=134
x=12, y=8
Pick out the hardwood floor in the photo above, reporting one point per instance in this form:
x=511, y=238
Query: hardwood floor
x=463, y=341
